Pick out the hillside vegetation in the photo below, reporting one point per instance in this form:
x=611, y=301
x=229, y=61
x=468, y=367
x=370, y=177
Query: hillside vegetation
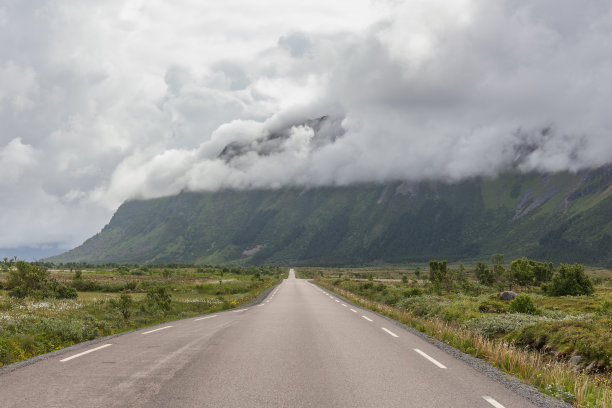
x=560, y=217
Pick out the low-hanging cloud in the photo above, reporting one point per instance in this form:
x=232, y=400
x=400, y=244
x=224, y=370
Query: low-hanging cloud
x=103, y=103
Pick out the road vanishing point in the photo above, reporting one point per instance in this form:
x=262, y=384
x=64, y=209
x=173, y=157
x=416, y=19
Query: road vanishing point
x=300, y=347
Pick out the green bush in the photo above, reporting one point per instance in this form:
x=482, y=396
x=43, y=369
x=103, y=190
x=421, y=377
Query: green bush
x=34, y=281
x=522, y=303
x=492, y=306
x=570, y=280
x=125, y=304
x=437, y=271
x=158, y=297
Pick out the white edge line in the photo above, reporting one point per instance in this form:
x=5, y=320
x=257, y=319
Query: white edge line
x=344, y=305
x=85, y=352
x=491, y=401
x=207, y=317
x=161, y=328
x=433, y=360
x=390, y=332
x=353, y=310
x=367, y=318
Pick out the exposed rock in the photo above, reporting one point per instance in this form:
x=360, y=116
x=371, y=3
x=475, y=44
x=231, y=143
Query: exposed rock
x=575, y=360
x=507, y=295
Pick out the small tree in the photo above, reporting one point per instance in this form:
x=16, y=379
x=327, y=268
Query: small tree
x=484, y=274
x=158, y=297
x=522, y=271
x=570, y=280
x=417, y=272
x=437, y=271
x=7, y=264
x=542, y=271
x=125, y=305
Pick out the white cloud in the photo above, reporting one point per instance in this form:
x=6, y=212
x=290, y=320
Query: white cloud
x=102, y=102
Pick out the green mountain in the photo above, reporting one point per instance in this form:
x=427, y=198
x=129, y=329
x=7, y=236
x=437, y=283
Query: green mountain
x=557, y=217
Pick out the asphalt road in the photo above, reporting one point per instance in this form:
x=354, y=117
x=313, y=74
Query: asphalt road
x=301, y=347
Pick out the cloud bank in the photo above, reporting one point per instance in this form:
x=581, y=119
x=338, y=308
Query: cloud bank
x=103, y=102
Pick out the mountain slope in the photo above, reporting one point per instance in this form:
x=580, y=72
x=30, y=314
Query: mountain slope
x=560, y=217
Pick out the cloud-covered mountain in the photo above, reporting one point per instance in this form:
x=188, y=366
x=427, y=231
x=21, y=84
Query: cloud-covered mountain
x=553, y=217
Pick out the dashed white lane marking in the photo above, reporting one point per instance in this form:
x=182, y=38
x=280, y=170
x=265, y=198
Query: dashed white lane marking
x=492, y=401
x=241, y=310
x=207, y=317
x=390, y=332
x=433, y=360
x=161, y=328
x=344, y=305
x=353, y=310
x=85, y=352
x=262, y=304
x=337, y=300
x=367, y=318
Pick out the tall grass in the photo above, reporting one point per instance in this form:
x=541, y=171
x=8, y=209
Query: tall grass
x=550, y=377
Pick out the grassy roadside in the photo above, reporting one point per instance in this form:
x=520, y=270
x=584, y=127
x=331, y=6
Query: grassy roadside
x=110, y=302
x=552, y=376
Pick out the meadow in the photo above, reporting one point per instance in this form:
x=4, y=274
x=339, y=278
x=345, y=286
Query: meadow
x=111, y=300
x=561, y=345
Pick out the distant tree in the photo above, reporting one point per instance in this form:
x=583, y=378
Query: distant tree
x=123, y=270
x=522, y=271
x=437, y=271
x=484, y=274
x=7, y=264
x=417, y=272
x=497, y=260
x=542, y=271
x=570, y=280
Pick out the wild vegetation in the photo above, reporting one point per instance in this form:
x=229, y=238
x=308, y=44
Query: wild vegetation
x=44, y=309
x=556, y=334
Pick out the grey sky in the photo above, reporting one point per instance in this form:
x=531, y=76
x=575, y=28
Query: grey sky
x=106, y=101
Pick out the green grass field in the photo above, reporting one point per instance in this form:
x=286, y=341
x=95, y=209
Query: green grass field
x=111, y=301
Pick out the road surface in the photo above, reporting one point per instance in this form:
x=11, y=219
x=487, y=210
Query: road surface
x=301, y=347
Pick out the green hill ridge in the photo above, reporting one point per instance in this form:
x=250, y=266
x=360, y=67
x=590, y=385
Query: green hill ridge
x=561, y=217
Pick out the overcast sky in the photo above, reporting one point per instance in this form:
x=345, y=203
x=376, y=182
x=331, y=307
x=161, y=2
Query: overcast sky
x=103, y=101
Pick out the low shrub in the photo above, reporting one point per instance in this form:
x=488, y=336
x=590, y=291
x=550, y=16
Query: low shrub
x=492, y=306
x=605, y=309
x=497, y=325
x=522, y=303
